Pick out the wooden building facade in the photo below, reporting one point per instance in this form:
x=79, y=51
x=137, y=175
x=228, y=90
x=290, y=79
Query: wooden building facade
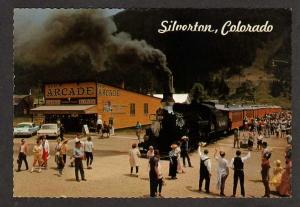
x=76, y=104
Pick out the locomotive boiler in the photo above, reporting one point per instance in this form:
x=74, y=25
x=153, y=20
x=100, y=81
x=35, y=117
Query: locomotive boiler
x=201, y=122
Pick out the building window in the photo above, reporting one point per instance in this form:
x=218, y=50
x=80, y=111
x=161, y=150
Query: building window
x=145, y=109
x=132, y=109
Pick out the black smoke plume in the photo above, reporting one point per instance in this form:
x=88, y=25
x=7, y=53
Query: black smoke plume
x=91, y=34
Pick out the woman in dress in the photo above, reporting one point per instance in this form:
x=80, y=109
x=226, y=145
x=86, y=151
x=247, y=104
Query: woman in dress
x=178, y=151
x=37, y=155
x=285, y=187
x=173, y=155
x=46, y=152
x=277, y=174
x=134, y=154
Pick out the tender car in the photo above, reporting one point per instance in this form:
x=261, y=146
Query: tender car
x=25, y=129
x=49, y=130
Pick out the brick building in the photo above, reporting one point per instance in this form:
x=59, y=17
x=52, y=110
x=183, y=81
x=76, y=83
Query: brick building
x=76, y=104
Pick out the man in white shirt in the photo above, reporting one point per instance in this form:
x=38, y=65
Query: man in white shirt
x=88, y=150
x=223, y=171
x=205, y=169
x=23, y=151
x=99, y=125
x=237, y=164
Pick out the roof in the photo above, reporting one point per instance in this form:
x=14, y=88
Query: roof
x=25, y=123
x=245, y=107
x=178, y=97
x=64, y=108
x=96, y=82
x=21, y=96
x=18, y=98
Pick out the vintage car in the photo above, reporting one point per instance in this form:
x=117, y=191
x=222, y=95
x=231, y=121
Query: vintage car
x=25, y=129
x=49, y=130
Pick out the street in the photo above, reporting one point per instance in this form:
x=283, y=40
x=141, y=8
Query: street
x=110, y=176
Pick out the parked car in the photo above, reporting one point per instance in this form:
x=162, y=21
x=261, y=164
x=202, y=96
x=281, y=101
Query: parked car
x=49, y=130
x=25, y=129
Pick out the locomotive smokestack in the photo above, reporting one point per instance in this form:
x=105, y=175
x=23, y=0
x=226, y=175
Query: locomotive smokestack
x=168, y=101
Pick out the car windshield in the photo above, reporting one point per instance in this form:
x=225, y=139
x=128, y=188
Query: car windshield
x=23, y=126
x=48, y=127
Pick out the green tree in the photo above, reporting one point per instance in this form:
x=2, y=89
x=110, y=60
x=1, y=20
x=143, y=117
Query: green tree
x=246, y=92
x=197, y=93
x=223, y=89
x=276, y=88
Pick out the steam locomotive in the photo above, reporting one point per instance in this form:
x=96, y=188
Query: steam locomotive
x=201, y=122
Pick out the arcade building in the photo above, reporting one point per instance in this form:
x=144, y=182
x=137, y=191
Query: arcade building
x=77, y=104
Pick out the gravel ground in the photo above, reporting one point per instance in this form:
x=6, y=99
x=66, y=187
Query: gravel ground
x=110, y=174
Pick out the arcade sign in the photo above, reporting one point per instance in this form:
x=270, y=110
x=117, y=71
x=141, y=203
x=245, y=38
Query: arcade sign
x=71, y=90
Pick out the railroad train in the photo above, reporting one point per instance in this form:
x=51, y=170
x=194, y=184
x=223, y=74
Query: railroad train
x=201, y=122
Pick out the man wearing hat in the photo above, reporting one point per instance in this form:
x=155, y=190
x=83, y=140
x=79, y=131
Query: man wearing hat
x=185, y=150
x=22, y=155
x=265, y=167
x=205, y=169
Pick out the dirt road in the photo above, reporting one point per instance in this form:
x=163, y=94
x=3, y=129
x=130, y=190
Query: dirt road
x=110, y=174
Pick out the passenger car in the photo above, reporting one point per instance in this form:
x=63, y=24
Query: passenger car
x=49, y=130
x=25, y=129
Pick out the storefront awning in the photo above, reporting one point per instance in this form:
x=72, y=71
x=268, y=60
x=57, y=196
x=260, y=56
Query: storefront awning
x=66, y=109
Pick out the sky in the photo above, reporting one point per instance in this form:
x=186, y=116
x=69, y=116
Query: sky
x=40, y=15
x=27, y=20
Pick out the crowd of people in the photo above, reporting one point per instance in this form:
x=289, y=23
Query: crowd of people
x=82, y=150
x=257, y=132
